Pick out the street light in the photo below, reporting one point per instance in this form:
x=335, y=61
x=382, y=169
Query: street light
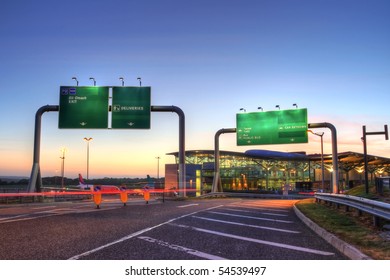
x=295, y=105
x=364, y=139
x=277, y=106
x=139, y=79
x=322, y=156
x=87, y=140
x=260, y=108
x=77, y=81
x=242, y=109
x=158, y=168
x=123, y=81
x=94, y=81
x=62, y=157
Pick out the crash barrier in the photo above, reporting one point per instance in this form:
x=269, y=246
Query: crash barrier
x=379, y=210
x=96, y=195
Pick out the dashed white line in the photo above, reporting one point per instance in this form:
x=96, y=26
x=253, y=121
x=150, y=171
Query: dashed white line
x=181, y=248
x=187, y=205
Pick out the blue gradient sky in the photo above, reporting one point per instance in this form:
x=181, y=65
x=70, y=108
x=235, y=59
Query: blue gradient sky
x=210, y=58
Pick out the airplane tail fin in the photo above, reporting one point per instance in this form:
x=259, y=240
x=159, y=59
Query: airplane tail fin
x=81, y=180
x=149, y=182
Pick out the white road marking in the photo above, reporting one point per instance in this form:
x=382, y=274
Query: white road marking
x=250, y=217
x=258, y=208
x=136, y=234
x=48, y=213
x=263, y=213
x=246, y=225
x=181, y=248
x=259, y=241
x=13, y=217
x=187, y=205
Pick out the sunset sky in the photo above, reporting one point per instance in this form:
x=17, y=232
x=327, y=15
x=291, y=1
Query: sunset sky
x=208, y=57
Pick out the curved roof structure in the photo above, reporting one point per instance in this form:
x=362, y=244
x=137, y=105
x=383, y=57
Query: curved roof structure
x=276, y=155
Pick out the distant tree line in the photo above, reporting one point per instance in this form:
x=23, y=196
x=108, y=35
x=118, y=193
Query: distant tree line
x=4, y=182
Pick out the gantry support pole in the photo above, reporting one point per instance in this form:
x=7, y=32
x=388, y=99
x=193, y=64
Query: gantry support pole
x=217, y=186
x=335, y=160
x=35, y=182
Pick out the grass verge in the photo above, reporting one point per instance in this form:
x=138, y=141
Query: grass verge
x=355, y=230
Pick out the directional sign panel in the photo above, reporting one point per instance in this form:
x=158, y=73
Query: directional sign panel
x=274, y=127
x=131, y=107
x=83, y=107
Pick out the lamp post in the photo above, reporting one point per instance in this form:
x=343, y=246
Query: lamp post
x=260, y=108
x=87, y=140
x=77, y=81
x=277, y=106
x=364, y=139
x=62, y=157
x=139, y=79
x=242, y=109
x=158, y=168
x=123, y=81
x=94, y=81
x=322, y=156
x=295, y=105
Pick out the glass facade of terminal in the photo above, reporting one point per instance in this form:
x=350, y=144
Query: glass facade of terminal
x=269, y=171
x=240, y=172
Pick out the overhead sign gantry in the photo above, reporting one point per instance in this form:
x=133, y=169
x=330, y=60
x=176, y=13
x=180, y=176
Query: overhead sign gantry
x=273, y=127
x=88, y=107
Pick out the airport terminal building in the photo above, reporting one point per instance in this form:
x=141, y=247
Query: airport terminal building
x=271, y=171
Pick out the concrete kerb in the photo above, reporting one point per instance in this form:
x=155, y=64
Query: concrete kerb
x=348, y=250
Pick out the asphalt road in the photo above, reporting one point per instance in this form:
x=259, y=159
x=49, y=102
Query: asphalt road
x=253, y=229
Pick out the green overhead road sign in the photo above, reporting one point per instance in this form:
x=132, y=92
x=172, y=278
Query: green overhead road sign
x=131, y=107
x=274, y=127
x=83, y=107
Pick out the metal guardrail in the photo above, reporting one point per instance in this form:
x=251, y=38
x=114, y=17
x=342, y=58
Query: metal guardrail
x=378, y=209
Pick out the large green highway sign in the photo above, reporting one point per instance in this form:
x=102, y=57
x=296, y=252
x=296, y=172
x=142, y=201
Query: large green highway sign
x=274, y=127
x=83, y=107
x=131, y=107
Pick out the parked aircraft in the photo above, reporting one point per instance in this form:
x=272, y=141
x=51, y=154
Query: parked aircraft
x=104, y=188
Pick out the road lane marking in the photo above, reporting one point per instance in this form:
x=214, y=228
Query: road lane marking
x=246, y=225
x=187, y=205
x=259, y=241
x=47, y=214
x=263, y=213
x=135, y=234
x=250, y=217
x=181, y=248
x=259, y=208
x=13, y=217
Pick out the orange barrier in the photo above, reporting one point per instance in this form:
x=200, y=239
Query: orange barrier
x=147, y=196
x=97, y=195
x=124, y=197
x=97, y=198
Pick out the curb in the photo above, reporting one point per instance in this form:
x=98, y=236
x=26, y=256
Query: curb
x=348, y=250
